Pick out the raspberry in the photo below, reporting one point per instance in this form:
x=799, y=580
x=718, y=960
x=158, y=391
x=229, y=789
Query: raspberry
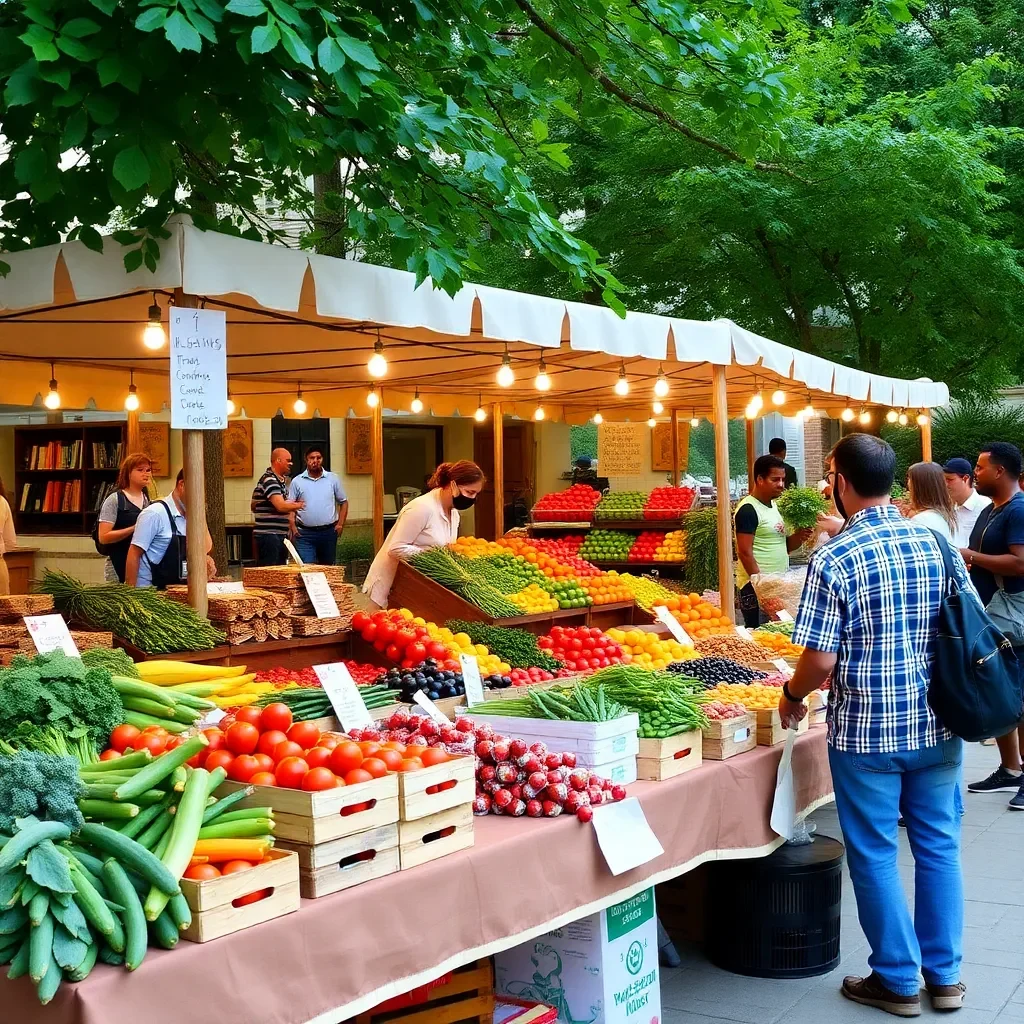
x=506, y=773
x=481, y=804
x=618, y=792
x=484, y=750
x=429, y=728
x=398, y=719
x=557, y=791
x=552, y=809
x=503, y=799
x=569, y=759
x=538, y=780
x=449, y=734
x=534, y=808
x=517, y=748
x=585, y=813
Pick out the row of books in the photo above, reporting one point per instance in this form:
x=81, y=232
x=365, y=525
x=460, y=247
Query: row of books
x=52, y=496
x=107, y=454
x=55, y=455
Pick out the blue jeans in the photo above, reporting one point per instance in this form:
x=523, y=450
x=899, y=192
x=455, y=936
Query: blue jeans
x=318, y=546
x=871, y=790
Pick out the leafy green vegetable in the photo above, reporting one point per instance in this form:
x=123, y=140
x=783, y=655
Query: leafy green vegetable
x=33, y=783
x=113, y=659
x=517, y=647
x=801, y=506
x=48, y=869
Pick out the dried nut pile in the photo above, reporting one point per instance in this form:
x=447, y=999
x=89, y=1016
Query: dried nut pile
x=744, y=651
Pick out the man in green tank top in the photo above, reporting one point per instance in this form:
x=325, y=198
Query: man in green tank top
x=761, y=540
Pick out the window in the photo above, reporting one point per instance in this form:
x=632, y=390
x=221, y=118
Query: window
x=297, y=435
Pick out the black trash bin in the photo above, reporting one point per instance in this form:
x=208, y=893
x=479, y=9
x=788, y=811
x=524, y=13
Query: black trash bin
x=777, y=916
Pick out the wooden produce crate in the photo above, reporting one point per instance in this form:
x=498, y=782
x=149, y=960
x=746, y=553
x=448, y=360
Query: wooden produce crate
x=328, y=814
x=666, y=758
x=465, y=997
x=616, y=613
x=456, y=779
x=435, y=835
x=728, y=737
x=341, y=863
x=212, y=902
x=770, y=729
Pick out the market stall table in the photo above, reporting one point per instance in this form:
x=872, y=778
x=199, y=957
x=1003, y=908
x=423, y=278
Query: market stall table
x=345, y=953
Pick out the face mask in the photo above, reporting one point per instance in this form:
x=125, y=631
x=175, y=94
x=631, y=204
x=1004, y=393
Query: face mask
x=462, y=502
x=838, y=500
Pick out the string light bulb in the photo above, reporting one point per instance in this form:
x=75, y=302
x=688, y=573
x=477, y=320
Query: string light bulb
x=892, y=416
x=131, y=402
x=539, y=413
x=652, y=422
x=481, y=413
x=778, y=397
x=417, y=403
x=903, y=419
x=622, y=384
x=808, y=410
x=657, y=408
x=864, y=418
x=847, y=415
x=154, y=337
x=695, y=421
x=52, y=399
x=597, y=418
x=542, y=382
x=372, y=398
x=661, y=384
x=750, y=412
x=506, y=375
x=230, y=406
x=923, y=419
x=299, y=405
x=378, y=363
x=757, y=403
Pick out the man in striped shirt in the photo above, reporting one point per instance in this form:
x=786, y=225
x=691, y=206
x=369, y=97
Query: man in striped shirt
x=271, y=509
x=869, y=616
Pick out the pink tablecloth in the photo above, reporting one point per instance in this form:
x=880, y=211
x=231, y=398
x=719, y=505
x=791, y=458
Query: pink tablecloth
x=345, y=953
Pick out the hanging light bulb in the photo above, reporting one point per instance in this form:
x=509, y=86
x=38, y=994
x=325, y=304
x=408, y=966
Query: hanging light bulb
x=778, y=397
x=892, y=416
x=864, y=418
x=539, y=413
x=694, y=421
x=52, y=399
x=923, y=419
x=808, y=411
x=657, y=408
x=131, y=402
x=903, y=419
x=847, y=415
x=417, y=403
x=661, y=384
x=230, y=405
x=542, y=382
x=153, y=337
x=750, y=412
x=652, y=422
x=622, y=384
x=598, y=418
x=299, y=405
x=757, y=403
x=481, y=413
x=378, y=364
x=506, y=375
x=372, y=398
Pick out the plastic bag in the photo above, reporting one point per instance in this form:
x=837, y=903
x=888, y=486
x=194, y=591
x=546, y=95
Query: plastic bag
x=779, y=590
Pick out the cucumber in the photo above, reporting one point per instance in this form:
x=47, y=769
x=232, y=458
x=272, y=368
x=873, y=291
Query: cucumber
x=40, y=950
x=111, y=956
x=131, y=856
x=144, y=819
x=107, y=810
x=116, y=939
x=143, y=721
x=89, y=861
x=144, y=691
x=17, y=849
x=163, y=931
x=91, y=877
x=152, y=835
x=90, y=902
x=222, y=806
x=47, y=987
x=19, y=965
x=134, y=918
x=38, y=908
x=180, y=912
x=137, y=759
x=109, y=791
x=155, y=772
x=81, y=972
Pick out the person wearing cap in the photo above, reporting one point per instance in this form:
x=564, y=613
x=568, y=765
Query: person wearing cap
x=969, y=503
x=318, y=525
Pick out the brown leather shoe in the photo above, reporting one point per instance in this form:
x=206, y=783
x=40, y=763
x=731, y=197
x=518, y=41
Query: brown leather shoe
x=947, y=997
x=872, y=992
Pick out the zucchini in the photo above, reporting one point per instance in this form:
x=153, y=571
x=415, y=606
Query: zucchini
x=17, y=849
x=134, y=918
x=144, y=819
x=143, y=721
x=107, y=810
x=89, y=861
x=19, y=965
x=111, y=956
x=246, y=828
x=38, y=908
x=137, y=759
x=116, y=939
x=135, y=688
x=222, y=806
x=40, y=950
x=48, y=984
x=158, y=770
x=152, y=835
x=164, y=931
x=180, y=912
x=81, y=972
x=9, y=948
x=90, y=902
x=133, y=856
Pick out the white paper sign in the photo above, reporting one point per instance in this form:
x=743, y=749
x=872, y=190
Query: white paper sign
x=320, y=594
x=471, y=678
x=743, y=633
x=741, y=735
x=199, y=369
x=784, y=805
x=50, y=633
x=674, y=626
x=783, y=616
x=431, y=708
x=290, y=548
x=212, y=718
x=625, y=837
x=783, y=667
x=344, y=695
x=234, y=587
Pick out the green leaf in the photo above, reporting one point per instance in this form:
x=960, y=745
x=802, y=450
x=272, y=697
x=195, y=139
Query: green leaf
x=77, y=49
x=180, y=33
x=152, y=19
x=48, y=869
x=55, y=74
x=358, y=51
x=90, y=238
x=109, y=69
x=74, y=129
x=295, y=47
x=72, y=918
x=330, y=56
x=31, y=165
x=68, y=951
x=79, y=28
x=133, y=259
x=123, y=237
x=103, y=109
x=23, y=86
x=539, y=129
x=265, y=37
x=40, y=41
x=247, y=8
x=131, y=168
x=106, y=6
x=10, y=881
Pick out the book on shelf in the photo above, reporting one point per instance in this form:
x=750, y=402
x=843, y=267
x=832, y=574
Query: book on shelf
x=51, y=496
x=99, y=493
x=106, y=454
x=54, y=455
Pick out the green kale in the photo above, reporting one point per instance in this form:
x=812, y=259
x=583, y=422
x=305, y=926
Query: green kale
x=33, y=783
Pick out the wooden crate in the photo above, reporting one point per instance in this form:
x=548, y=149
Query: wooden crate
x=341, y=863
x=770, y=729
x=415, y=802
x=435, y=836
x=467, y=997
x=665, y=759
x=211, y=902
x=729, y=737
x=615, y=613
x=319, y=817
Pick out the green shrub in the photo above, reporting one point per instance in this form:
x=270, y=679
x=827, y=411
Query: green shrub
x=354, y=545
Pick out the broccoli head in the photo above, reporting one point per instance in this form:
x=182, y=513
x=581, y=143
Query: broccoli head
x=32, y=782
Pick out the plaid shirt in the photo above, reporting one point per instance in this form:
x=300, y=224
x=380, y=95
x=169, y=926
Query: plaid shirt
x=872, y=595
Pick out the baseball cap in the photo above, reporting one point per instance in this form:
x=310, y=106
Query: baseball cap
x=961, y=467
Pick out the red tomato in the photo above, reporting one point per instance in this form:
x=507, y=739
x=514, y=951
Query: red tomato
x=410, y=764
x=286, y=749
x=242, y=738
x=433, y=755
x=375, y=766
x=174, y=741
x=369, y=632
x=329, y=741
x=215, y=737
x=201, y=872
x=277, y=716
x=243, y=768
x=318, y=757
x=319, y=778
x=149, y=741
x=393, y=653
x=357, y=775
x=290, y=771
x=123, y=736
x=249, y=714
x=360, y=621
x=226, y=722
x=232, y=867
x=269, y=740
x=436, y=650
x=265, y=761
x=110, y=754
x=346, y=756
x=403, y=637
x=263, y=779
x=416, y=652
x=391, y=758
x=305, y=734
x=218, y=759
x=369, y=748
x=386, y=632
x=415, y=750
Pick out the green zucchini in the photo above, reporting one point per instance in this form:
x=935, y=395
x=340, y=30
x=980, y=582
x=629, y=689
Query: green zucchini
x=38, y=908
x=90, y=902
x=164, y=932
x=222, y=806
x=180, y=912
x=145, y=818
x=19, y=965
x=132, y=856
x=134, y=918
x=81, y=972
x=40, y=950
x=143, y=721
x=158, y=770
x=48, y=984
x=136, y=759
x=107, y=810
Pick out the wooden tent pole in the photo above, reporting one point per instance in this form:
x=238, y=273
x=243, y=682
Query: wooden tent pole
x=926, y=438
x=499, y=470
x=720, y=407
x=749, y=423
x=675, y=447
x=377, y=459
x=134, y=442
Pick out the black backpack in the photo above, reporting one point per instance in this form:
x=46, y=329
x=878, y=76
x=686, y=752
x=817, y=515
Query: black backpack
x=975, y=688
x=105, y=549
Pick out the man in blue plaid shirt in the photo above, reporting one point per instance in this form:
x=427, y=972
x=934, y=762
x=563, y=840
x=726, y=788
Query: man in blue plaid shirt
x=869, y=615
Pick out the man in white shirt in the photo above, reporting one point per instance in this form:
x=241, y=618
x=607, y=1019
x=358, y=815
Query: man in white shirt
x=969, y=503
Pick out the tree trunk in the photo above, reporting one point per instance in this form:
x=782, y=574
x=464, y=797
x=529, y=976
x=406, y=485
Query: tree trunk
x=213, y=459
x=329, y=219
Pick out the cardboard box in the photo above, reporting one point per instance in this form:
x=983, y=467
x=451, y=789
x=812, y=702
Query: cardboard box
x=602, y=969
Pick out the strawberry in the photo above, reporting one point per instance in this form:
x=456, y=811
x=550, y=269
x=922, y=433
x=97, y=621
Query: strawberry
x=596, y=795
x=517, y=792
x=517, y=808
x=574, y=801
x=534, y=808
x=618, y=792
x=538, y=780
x=501, y=750
x=557, y=791
x=462, y=724
x=429, y=728
x=584, y=814
x=481, y=804
x=530, y=763
x=506, y=773
x=484, y=750
x=553, y=760
x=569, y=759
x=449, y=734
x=491, y=787
x=552, y=809
x=555, y=776
x=486, y=772
x=517, y=748
x=539, y=749
x=503, y=799
x=578, y=779
x=485, y=731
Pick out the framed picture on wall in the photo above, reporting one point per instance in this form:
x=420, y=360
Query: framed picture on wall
x=358, y=448
x=238, y=448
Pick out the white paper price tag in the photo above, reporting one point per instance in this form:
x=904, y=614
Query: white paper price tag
x=319, y=591
x=234, y=587
x=673, y=624
x=784, y=668
x=199, y=368
x=741, y=735
x=743, y=633
x=344, y=695
x=290, y=548
x=471, y=678
x=50, y=633
x=783, y=616
x=624, y=835
x=431, y=708
x=212, y=718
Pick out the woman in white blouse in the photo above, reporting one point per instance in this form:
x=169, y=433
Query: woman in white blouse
x=8, y=540
x=429, y=521
x=930, y=501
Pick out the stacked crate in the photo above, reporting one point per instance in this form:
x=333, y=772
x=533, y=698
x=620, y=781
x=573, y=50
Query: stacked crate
x=285, y=583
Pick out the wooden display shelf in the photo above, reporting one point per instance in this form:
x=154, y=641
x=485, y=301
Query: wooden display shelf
x=299, y=652
x=341, y=863
x=770, y=729
x=435, y=836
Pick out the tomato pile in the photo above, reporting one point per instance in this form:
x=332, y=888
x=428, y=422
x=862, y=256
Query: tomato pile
x=291, y=677
x=668, y=502
x=574, y=505
x=581, y=648
x=400, y=639
x=645, y=546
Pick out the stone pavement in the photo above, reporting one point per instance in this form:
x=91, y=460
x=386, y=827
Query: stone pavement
x=993, y=970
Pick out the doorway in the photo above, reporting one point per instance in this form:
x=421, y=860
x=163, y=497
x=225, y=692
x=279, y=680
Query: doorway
x=411, y=453
x=518, y=476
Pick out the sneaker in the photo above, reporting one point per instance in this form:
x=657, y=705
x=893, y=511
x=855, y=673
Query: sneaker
x=947, y=997
x=1017, y=803
x=871, y=991
x=999, y=779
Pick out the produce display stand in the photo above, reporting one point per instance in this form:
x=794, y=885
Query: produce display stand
x=628, y=525
x=343, y=954
x=297, y=653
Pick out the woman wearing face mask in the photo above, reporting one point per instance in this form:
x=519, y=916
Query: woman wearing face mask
x=429, y=521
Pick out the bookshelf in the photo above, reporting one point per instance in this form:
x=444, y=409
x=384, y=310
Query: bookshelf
x=62, y=473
